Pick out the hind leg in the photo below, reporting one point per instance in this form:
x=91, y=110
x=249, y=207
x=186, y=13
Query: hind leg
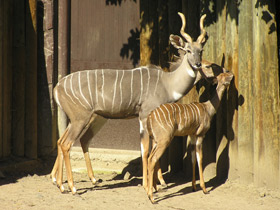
x=59, y=160
x=154, y=157
x=76, y=130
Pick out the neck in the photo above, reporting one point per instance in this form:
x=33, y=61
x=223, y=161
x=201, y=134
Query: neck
x=213, y=104
x=181, y=80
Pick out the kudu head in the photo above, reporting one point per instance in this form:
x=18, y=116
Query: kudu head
x=224, y=78
x=192, y=49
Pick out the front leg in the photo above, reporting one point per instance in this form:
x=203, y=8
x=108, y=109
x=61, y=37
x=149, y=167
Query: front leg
x=193, y=152
x=85, y=141
x=199, y=161
x=145, y=141
x=145, y=154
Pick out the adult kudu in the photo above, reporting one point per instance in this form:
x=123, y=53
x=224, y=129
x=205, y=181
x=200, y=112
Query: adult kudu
x=87, y=97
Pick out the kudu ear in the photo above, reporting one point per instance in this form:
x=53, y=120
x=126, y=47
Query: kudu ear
x=177, y=41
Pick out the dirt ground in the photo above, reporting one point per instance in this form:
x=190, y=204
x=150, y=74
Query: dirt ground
x=118, y=189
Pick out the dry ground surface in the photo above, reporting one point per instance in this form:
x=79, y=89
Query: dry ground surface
x=119, y=187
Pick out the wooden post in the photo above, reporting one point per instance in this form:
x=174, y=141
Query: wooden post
x=31, y=80
x=7, y=78
x=18, y=126
x=266, y=96
x=1, y=75
x=63, y=53
x=245, y=112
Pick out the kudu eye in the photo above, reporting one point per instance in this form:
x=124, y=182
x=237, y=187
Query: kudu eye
x=188, y=51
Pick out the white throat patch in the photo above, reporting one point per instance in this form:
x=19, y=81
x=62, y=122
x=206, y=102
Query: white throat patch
x=191, y=72
x=176, y=95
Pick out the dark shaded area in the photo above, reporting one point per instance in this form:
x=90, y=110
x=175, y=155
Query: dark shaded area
x=134, y=168
x=24, y=167
x=131, y=49
x=117, y=2
x=44, y=103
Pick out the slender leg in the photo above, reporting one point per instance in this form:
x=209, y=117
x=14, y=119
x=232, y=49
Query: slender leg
x=54, y=170
x=193, y=152
x=85, y=140
x=199, y=160
x=193, y=167
x=159, y=175
x=145, y=154
x=76, y=131
x=65, y=150
x=145, y=141
x=60, y=168
x=155, y=175
x=151, y=165
x=154, y=157
x=55, y=167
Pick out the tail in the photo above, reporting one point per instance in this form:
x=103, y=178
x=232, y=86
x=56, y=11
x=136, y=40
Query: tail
x=56, y=97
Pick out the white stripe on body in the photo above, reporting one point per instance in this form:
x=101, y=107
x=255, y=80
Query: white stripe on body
x=89, y=89
x=180, y=113
x=193, y=115
x=198, y=112
x=81, y=92
x=141, y=86
x=115, y=87
x=156, y=82
x=169, y=116
x=65, y=90
x=96, y=88
x=131, y=89
x=102, y=88
x=159, y=123
x=73, y=93
x=148, y=85
x=173, y=113
x=186, y=113
x=165, y=118
x=121, y=90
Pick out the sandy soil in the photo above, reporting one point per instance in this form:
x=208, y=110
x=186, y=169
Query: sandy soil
x=124, y=191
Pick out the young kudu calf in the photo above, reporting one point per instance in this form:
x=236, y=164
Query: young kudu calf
x=174, y=119
x=87, y=97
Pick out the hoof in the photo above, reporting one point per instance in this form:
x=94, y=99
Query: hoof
x=194, y=188
x=152, y=200
x=54, y=181
x=205, y=192
x=164, y=185
x=74, y=191
x=93, y=181
x=61, y=188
